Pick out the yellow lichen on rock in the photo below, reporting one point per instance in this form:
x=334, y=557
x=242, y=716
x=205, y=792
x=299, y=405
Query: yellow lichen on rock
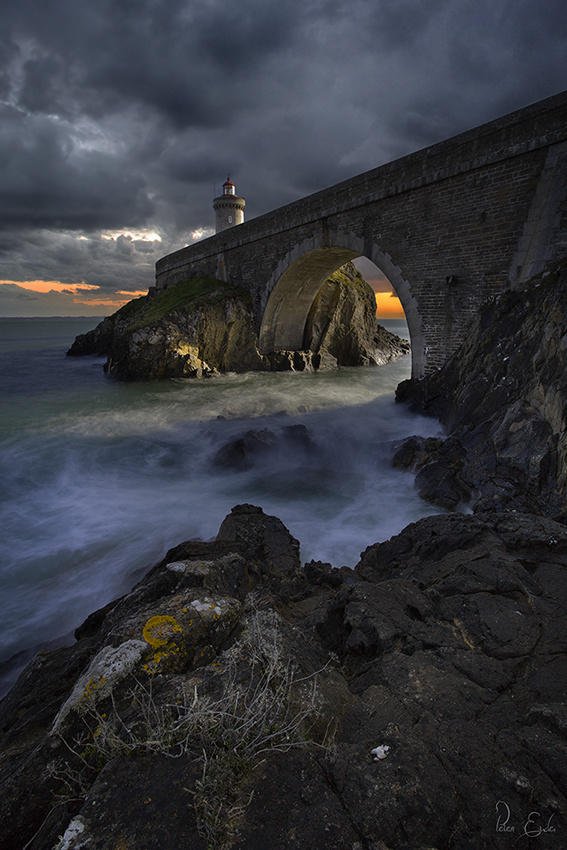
x=159, y=630
x=170, y=658
x=162, y=633
x=92, y=686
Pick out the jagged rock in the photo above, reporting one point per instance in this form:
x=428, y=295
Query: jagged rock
x=504, y=396
x=196, y=342
x=388, y=346
x=266, y=543
x=439, y=465
x=415, y=451
x=342, y=323
x=295, y=805
x=178, y=619
x=98, y=341
x=194, y=329
x=283, y=360
x=446, y=641
x=440, y=667
x=109, y=666
x=143, y=802
x=240, y=453
x=322, y=573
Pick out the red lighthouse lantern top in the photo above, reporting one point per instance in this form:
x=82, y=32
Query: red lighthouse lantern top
x=228, y=188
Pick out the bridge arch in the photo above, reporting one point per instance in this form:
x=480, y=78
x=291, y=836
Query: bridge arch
x=291, y=290
x=463, y=221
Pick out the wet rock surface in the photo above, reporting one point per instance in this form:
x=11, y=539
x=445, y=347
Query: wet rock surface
x=204, y=327
x=428, y=689
x=503, y=397
x=439, y=468
x=244, y=452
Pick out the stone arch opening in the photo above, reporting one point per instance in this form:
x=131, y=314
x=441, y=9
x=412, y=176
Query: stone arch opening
x=293, y=290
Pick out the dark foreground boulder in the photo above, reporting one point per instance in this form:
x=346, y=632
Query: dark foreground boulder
x=233, y=700
x=452, y=643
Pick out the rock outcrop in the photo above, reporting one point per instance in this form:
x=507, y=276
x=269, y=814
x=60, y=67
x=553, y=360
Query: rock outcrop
x=243, y=452
x=503, y=400
x=196, y=328
x=233, y=700
x=342, y=323
x=201, y=327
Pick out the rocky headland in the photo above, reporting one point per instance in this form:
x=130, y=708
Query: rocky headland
x=237, y=699
x=202, y=326
x=503, y=401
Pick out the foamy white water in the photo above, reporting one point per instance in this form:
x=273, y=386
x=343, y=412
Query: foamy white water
x=101, y=478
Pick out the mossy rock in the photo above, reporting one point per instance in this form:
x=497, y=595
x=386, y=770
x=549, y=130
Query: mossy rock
x=191, y=293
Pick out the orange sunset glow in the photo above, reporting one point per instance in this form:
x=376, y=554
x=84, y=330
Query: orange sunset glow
x=50, y=285
x=77, y=293
x=388, y=306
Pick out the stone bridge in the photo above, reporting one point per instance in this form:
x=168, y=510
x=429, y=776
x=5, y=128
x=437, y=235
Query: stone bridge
x=451, y=226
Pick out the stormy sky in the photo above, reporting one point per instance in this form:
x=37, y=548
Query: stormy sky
x=120, y=120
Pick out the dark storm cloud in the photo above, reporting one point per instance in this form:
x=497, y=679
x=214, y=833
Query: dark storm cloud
x=12, y=292
x=46, y=179
x=187, y=165
x=191, y=62
x=485, y=59
x=124, y=263
x=131, y=114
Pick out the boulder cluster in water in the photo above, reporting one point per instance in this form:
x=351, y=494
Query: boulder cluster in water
x=235, y=699
x=201, y=327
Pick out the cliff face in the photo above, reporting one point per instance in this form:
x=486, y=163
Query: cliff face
x=198, y=327
x=210, y=337
x=503, y=400
x=202, y=326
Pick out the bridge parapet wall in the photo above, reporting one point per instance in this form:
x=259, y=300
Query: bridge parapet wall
x=450, y=225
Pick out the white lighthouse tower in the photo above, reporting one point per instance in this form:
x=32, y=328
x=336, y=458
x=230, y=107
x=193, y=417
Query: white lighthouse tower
x=229, y=208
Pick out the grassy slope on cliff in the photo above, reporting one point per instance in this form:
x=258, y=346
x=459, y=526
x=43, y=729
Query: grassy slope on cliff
x=191, y=293
x=141, y=312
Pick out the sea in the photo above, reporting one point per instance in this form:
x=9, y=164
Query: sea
x=100, y=478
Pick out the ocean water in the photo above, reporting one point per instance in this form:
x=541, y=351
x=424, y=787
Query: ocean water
x=100, y=478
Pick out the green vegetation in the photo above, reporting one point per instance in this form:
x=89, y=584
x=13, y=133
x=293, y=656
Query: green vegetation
x=187, y=294
x=348, y=274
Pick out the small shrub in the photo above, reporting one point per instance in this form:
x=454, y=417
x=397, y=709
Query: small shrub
x=259, y=704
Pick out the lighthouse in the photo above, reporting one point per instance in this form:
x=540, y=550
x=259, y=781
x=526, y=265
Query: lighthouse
x=229, y=208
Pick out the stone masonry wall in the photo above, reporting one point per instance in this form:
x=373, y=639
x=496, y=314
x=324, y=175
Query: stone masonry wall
x=450, y=225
